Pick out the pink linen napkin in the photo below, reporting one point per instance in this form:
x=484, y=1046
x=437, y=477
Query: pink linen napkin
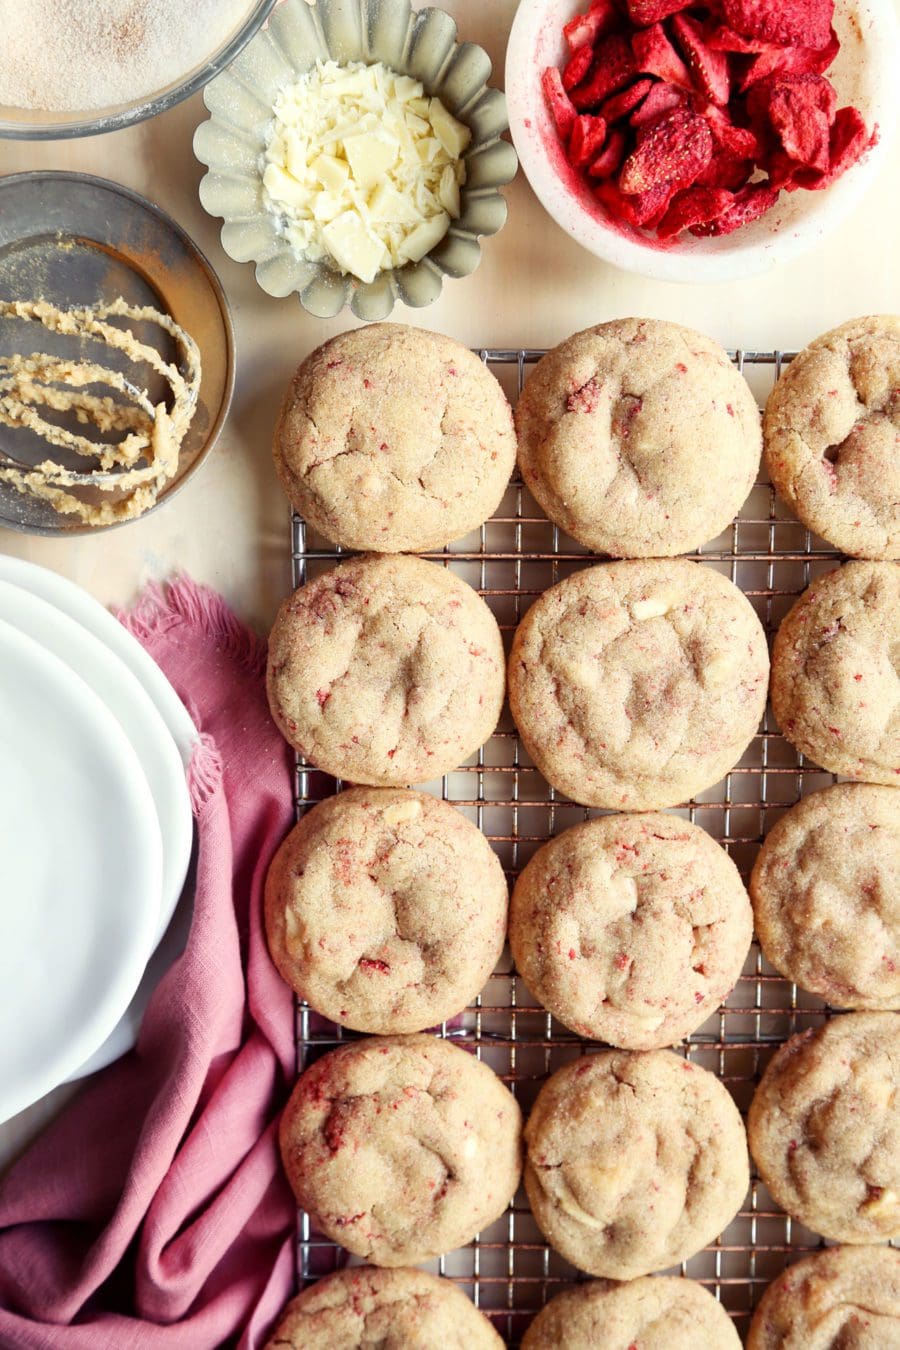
x=153, y=1212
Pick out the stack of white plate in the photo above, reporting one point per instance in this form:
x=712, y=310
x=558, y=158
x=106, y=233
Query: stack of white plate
x=95, y=833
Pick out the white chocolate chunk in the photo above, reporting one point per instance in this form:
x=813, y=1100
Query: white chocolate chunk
x=353, y=247
x=453, y=136
x=400, y=811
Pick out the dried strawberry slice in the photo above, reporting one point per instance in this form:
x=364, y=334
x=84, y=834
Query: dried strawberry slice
x=652, y=11
x=585, y=29
x=709, y=68
x=733, y=140
x=558, y=101
x=726, y=171
x=801, y=110
x=613, y=68
x=790, y=61
x=748, y=205
x=621, y=104
x=850, y=139
x=654, y=53
x=694, y=206
x=673, y=150
x=662, y=98
x=643, y=208
x=586, y=140
x=790, y=23
x=577, y=68
x=610, y=158
x=720, y=38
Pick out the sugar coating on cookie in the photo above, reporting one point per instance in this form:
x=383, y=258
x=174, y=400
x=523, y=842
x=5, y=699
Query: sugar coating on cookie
x=401, y=1148
x=639, y=437
x=836, y=672
x=634, y=1161
x=631, y=929
x=386, y=910
x=635, y=685
x=386, y=670
x=826, y=895
x=824, y=1127
x=365, y=1307
x=843, y=1298
x=658, y=1312
x=394, y=439
x=832, y=436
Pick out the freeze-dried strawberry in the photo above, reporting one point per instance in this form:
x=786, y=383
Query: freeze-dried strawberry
x=790, y=61
x=586, y=140
x=621, y=104
x=720, y=38
x=652, y=11
x=576, y=69
x=726, y=171
x=654, y=53
x=733, y=140
x=801, y=110
x=585, y=29
x=694, y=206
x=641, y=208
x=850, y=139
x=748, y=205
x=558, y=101
x=662, y=98
x=613, y=68
x=709, y=68
x=786, y=22
x=610, y=158
x=673, y=150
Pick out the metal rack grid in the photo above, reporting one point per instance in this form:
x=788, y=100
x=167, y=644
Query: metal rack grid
x=509, y=1270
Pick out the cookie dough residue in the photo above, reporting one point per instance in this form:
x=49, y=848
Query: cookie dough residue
x=136, y=467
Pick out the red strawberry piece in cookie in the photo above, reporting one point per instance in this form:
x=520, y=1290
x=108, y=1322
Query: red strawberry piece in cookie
x=586, y=140
x=609, y=161
x=788, y=22
x=675, y=150
x=562, y=110
x=663, y=98
x=694, y=206
x=748, y=204
x=613, y=68
x=620, y=105
x=709, y=68
x=654, y=53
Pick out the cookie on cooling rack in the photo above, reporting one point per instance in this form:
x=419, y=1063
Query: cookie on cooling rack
x=634, y=1161
x=386, y=910
x=401, y=1148
x=394, y=439
x=635, y=685
x=826, y=895
x=655, y=1311
x=835, y=689
x=639, y=438
x=824, y=1127
x=840, y=1297
x=366, y=1307
x=631, y=929
x=386, y=670
x=831, y=429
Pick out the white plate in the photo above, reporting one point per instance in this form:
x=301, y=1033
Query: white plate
x=80, y=871
x=133, y=709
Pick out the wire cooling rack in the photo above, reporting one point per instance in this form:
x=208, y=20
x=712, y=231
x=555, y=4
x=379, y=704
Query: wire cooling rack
x=509, y=1271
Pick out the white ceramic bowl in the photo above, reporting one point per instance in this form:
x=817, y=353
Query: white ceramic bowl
x=865, y=74
x=232, y=144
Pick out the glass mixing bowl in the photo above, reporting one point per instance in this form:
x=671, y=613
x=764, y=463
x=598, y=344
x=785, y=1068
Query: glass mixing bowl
x=35, y=124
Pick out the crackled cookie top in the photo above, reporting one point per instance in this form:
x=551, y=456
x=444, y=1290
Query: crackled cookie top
x=836, y=672
x=631, y=929
x=635, y=685
x=639, y=438
x=394, y=439
x=393, y=1309
x=386, y=670
x=843, y=1298
x=832, y=433
x=824, y=1127
x=653, y=1313
x=401, y=1148
x=386, y=910
x=826, y=895
x=634, y=1161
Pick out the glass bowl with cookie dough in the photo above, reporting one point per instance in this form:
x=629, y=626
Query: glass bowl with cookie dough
x=355, y=155
x=123, y=60
x=116, y=354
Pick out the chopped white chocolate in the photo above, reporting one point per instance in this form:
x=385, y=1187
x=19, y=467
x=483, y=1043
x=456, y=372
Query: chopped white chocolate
x=362, y=168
